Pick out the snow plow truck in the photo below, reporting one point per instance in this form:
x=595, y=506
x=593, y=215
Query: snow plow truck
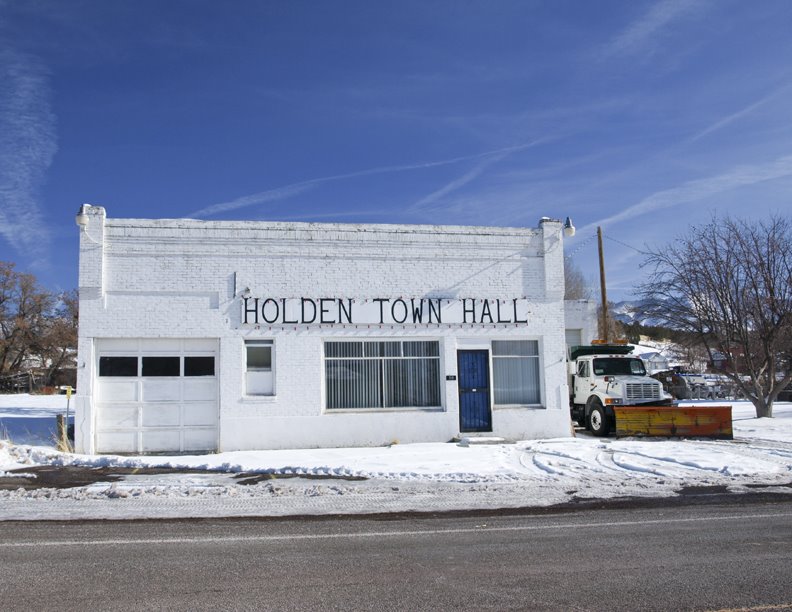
x=603, y=377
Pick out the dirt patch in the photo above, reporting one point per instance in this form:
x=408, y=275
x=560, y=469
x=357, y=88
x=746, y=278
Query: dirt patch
x=252, y=478
x=704, y=490
x=787, y=485
x=68, y=477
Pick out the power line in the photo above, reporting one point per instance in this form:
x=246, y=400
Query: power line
x=625, y=245
x=581, y=245
x=591, y=237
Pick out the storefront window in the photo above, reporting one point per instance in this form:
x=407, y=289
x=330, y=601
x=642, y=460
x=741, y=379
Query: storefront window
x=258, y=377
x=515, y=369
x=389, y=374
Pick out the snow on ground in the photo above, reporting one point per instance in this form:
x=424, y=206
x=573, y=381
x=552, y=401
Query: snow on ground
x=30, y=419
x=404, y=477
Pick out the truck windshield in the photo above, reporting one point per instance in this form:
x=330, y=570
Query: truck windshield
x=615, y=366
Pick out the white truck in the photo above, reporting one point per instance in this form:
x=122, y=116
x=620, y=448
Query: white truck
x=602, y=376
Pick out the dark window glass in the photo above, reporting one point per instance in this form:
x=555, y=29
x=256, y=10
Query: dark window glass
x=422, y=349
x=118, y=366
x=618, y=366
x=515, y=348
x=343, y=349
x=161, y=366
x=381, y=349
x=199, y=366
x=259, y=357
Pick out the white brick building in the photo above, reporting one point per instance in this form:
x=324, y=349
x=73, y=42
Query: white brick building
x=229, y=335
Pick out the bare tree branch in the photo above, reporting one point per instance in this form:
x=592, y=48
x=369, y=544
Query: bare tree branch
x=729, y=284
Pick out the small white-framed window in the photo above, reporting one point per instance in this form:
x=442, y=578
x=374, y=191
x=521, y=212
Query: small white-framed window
x=260, y=367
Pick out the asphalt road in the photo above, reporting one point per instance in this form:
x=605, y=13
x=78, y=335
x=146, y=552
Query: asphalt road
x=701, y=557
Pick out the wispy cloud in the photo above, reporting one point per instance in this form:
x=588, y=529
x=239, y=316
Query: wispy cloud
x=456, y=183
x=470, y=175
x=734, y=116
x=699, y=189
x=27, y=146
x=293, y=189
x=639, y=36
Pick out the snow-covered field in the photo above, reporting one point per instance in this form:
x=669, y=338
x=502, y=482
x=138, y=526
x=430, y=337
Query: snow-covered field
x=408, y=477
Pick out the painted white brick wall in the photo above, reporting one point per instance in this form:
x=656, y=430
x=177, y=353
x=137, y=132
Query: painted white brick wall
x=183, y=278
x=581, y=315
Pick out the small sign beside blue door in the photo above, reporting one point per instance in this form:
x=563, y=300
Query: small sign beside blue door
x=474, y=392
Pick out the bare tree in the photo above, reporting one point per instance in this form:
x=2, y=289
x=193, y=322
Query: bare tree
x=615, y=328
x=56, y=348
x=24, y=311
x=38, y=329
x=729, y=284
x=575, y=286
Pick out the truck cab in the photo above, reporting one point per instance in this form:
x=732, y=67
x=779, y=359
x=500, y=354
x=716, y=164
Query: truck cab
x=604, y=376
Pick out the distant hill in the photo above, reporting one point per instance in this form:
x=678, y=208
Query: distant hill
x=630, y=312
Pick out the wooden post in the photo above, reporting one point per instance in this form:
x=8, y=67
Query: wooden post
x=603, y=291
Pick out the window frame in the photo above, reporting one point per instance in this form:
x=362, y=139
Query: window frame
x=534, y=359
x=258, y=375
x=381, y=360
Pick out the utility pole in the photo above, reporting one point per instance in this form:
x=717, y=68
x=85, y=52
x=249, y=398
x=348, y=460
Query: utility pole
x=605, y=333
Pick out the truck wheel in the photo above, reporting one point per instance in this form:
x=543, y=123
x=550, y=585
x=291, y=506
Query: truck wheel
x=597, y=420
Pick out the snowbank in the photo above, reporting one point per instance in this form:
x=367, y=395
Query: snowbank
x=399, y=477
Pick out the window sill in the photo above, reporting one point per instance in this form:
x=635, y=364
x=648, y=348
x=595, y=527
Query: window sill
x=259, y=399
x=519, y=406
x=380, y=410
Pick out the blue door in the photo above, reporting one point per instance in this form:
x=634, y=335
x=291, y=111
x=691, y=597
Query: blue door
x=474, y=392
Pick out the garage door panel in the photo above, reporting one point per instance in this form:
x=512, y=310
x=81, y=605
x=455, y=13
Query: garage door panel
x=162, y=390
x=118, y=390
x=154, y=408
x=207, y=345
x=117, y=442
x=203, y=414
x=118, y=345
x=200, y=439
x=158, y=441
x=199, y=390
x=118, y=417
x=159, y=345
x=161, y=415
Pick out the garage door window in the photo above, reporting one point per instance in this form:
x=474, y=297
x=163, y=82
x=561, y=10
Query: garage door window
x=199, y=366
x=118, y=366
x=258, y=376
x=161, y=366
x=155, y=366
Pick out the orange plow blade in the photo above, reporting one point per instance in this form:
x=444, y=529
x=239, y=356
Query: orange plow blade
x=684, y=421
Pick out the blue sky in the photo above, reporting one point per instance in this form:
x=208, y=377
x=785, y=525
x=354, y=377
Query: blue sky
x=640, y=117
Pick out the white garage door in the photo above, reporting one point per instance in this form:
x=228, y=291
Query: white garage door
x=156, y=395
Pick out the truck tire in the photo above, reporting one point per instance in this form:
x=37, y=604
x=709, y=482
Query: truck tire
x=598, y=422
x=578, y=414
